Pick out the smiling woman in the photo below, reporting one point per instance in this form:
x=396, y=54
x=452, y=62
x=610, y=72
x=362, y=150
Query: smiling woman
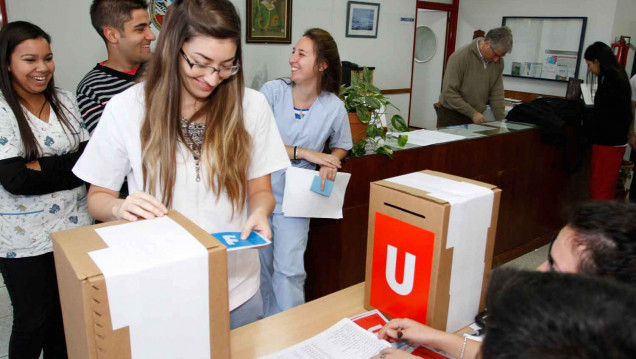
x=41, y=137
x=192, y=138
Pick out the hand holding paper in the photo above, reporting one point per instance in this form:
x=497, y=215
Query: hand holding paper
x=233, y=241
x=300, y=201
x=317, y=187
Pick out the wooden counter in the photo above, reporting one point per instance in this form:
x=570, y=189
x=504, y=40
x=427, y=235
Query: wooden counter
x=537, y=182
x=275, y=333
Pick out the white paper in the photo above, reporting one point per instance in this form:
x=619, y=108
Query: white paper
x=156, y=276
x=508, y=125
x=586, y=91
x=427, y=137
x=300, y=201
x=344, y=340
x=469, y=221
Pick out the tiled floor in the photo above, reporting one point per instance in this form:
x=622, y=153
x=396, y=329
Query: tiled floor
x=529, y=261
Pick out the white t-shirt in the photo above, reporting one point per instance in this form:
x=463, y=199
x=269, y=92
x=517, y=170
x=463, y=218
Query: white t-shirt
x=114, y=152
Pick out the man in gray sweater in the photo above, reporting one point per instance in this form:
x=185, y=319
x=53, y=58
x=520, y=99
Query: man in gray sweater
x=473, y=79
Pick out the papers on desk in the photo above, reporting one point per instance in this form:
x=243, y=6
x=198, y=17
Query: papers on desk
x=300, y=201
x=427, y=137
x=344, y=340
x=508, y=125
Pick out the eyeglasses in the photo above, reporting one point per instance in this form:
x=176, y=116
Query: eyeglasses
x=496, y=54
x=550, y=259
x=202, y=70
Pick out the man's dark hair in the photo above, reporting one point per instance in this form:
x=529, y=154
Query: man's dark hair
x=606, y=230
x=556, y=315
x=113, y=13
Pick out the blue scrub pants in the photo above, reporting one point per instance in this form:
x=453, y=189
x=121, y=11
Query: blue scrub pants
x=283, y=265
x=248, y=312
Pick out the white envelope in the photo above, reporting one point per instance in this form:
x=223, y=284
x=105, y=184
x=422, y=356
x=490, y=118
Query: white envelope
x=300, y=201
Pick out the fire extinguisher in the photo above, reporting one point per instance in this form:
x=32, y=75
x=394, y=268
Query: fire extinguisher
x=621, y=48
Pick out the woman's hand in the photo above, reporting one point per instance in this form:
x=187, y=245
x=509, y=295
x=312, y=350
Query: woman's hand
x=327, y=173
x=410, y=330
x=258, y=222
x=319, y=158
x=392, y=353
x=139, y=205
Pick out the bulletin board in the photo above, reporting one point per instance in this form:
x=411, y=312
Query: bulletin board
x=545, y=48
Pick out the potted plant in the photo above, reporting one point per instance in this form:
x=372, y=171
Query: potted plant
x=366, y=105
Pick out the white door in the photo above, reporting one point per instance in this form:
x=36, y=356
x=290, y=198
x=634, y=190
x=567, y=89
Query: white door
x=427, y=75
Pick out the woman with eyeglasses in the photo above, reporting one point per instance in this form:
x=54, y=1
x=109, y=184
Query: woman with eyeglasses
x=309, y=115
x=608, y=127
x=191, y=137
x=41, y=138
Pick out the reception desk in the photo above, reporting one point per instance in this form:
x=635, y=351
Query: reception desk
x=538, y=182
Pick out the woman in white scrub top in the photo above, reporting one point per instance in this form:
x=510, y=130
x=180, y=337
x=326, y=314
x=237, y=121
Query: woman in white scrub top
x=309, y=115
x=193, y=138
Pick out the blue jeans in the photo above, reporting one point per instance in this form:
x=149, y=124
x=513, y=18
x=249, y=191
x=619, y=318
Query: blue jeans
x=248, y=312
x=283, y=265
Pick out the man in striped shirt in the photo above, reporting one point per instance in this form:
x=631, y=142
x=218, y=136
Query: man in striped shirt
x=124, y=25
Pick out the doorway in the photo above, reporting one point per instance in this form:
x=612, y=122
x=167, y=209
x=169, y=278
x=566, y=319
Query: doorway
x=428, y=66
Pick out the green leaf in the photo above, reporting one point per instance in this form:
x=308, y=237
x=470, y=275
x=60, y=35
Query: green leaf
x=374, y=89
x=373, y=102
x=385, y=150
x=399, y=124
x=366, y=75
x=372, y=131
x=402, y=140
x=381, y=132
x=358, y=150
x=354, y=79
x=363, y=114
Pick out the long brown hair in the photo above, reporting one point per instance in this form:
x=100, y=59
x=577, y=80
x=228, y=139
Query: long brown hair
x=12, y=35
x=226, y=146
x=326, y=50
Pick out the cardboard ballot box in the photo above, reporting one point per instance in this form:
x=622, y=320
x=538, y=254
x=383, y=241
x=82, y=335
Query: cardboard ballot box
x=429, y=249
x=161, y=283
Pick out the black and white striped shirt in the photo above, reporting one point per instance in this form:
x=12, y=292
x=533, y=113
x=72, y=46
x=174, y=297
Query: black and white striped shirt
x=97, y=88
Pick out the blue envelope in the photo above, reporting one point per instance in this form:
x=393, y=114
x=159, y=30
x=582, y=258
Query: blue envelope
x=315, y=186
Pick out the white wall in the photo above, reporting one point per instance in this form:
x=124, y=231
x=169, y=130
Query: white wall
x=487, y=14
x=77, y=47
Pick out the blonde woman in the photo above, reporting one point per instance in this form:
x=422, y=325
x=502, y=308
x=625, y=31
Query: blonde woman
x=192, y=138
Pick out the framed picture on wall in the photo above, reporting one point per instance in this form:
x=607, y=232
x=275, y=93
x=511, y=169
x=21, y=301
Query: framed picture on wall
x=269, y=21
x=362, y=19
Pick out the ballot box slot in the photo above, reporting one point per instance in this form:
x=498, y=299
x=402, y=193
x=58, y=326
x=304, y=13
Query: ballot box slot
x=404, y=210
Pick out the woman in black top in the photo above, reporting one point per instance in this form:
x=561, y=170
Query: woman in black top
x=612, y=114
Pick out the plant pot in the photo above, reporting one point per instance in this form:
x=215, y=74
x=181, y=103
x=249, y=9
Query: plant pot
x=358, y=128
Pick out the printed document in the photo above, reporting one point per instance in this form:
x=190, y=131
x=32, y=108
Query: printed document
x=344, y=340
